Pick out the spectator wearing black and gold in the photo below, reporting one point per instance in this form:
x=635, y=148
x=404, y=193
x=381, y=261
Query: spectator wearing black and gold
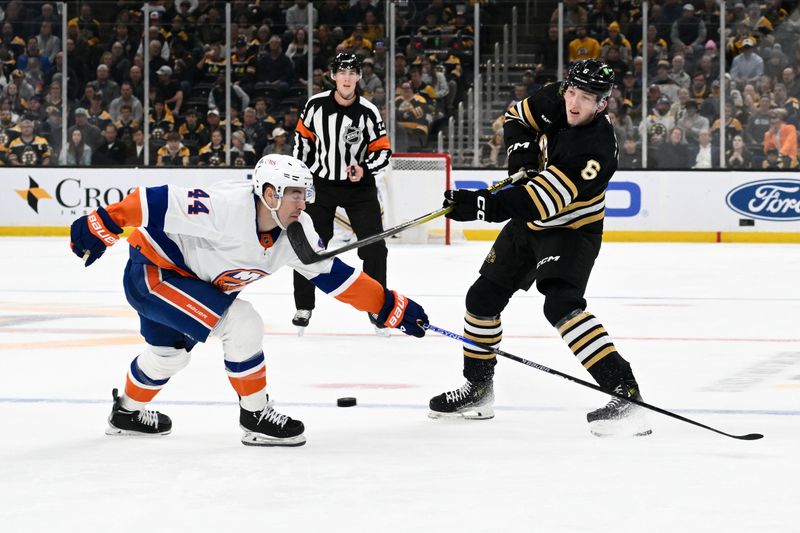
x=411, y=110
x=98, y=116
x=9, y=38
x=9, y=129
x=181, y=35
x=193, y=133
x=421, y=88
x=212, y=64
x=88, y=26
x=161, y=122
x=243, y=66
x=213, y=154
x=615, y=38
x=357, y=43
x=174, y=153
x=126, y=124
x=583, y=46
x=28, y=149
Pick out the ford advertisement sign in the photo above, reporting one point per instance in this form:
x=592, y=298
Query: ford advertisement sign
x=776, y=200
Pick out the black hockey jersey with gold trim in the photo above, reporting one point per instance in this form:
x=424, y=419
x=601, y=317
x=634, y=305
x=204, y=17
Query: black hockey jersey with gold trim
x=574, y=164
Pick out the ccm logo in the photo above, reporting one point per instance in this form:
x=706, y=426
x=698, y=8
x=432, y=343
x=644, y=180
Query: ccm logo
x=100, y=231
x=399, y=310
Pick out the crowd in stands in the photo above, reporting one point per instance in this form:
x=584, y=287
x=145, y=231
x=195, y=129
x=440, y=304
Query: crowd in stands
x=681, y=112
x=187, y=118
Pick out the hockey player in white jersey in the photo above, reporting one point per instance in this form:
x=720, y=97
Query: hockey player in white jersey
x=192, y=253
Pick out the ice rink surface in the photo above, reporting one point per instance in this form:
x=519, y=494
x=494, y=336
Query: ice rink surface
x=712, y=331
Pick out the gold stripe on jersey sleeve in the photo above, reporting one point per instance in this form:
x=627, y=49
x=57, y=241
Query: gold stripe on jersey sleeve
x=568, y=182
x=577, y=205
x=552, y=192
x=529, y=116
x=536, y=201
x=575, y=225
x=513, y=111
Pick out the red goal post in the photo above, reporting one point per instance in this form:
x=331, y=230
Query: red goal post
x=415, y=184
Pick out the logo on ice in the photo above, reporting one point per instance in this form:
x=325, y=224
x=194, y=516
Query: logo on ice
x=777, y=200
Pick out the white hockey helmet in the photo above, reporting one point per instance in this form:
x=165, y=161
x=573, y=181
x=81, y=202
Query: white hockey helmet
x=282, y=171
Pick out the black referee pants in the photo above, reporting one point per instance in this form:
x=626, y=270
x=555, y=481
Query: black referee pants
x=360, y=202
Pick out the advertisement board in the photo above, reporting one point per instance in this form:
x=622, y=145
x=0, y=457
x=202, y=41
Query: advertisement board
x=651, y=206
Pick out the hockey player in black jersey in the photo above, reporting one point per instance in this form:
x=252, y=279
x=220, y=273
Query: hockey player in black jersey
x=564, y=140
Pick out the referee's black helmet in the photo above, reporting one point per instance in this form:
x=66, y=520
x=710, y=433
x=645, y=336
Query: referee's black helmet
x=591, y=76
x=344, y=60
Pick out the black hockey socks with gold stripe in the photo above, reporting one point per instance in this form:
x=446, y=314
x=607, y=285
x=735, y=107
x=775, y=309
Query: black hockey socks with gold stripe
x=479, y=363
x=591, y=344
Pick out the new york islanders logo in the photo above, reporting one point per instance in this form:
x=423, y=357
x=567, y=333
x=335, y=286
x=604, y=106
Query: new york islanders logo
x=237, y=279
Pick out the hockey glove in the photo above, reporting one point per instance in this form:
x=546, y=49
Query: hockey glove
x=93, y=233
x=401, y=312
x=470, y=205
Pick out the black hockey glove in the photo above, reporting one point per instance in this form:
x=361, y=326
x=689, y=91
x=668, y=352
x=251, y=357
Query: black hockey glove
x=470, y=205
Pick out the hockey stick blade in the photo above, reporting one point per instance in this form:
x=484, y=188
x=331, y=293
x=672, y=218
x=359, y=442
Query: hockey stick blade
x=307, y=255
x=548, y=370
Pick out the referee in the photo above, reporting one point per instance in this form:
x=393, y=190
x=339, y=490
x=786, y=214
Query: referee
x=340, y=136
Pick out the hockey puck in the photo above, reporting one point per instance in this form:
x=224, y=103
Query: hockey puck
x=346, y=402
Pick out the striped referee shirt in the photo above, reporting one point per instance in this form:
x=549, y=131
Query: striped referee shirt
x=330, y=137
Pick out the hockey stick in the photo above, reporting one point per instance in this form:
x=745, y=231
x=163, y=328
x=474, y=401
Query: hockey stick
x=749, y=436
x=307, y=255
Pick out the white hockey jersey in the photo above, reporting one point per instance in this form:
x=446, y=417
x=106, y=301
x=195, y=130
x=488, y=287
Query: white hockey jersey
x=211, y=234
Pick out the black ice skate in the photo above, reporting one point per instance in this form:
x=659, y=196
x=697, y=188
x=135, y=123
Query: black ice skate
x=136, y=423
x=473, y=401
x=619, y=418
x=301, y=319
x=270, y=428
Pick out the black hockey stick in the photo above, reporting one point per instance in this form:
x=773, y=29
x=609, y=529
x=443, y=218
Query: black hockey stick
x=307, y=255
x=749, y=436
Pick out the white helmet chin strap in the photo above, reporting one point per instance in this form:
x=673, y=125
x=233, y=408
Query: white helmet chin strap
x=273, y=211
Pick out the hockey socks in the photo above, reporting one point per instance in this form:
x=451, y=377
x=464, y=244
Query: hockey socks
x=249, y=380
x=478, y=362
x=149, y=372
x=591, y=344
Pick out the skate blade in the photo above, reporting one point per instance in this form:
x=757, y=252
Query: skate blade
x=632, y=426
x=116, y=432
x=250, y=438
x=300, y=330
x=473, y=413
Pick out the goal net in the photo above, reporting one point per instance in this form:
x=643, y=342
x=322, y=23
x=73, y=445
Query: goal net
x=415, y=185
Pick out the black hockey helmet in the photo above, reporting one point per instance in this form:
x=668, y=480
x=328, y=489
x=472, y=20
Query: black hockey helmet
x=591, y=76
x=344, y=60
